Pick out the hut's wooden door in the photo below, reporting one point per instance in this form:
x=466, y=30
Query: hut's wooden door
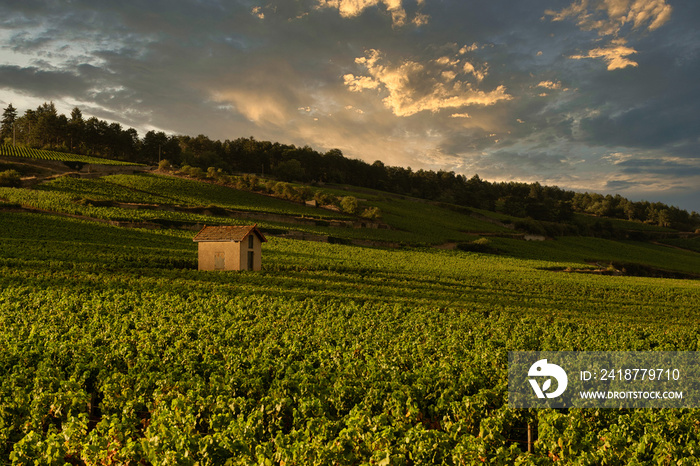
x=219, y=261
x=251, y=257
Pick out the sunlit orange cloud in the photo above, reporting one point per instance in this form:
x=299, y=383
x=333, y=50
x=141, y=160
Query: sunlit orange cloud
x=549, y=85
x=258, y=107
x=614, y=55
x=608, y=17
x=353, y=8
x=414, y=87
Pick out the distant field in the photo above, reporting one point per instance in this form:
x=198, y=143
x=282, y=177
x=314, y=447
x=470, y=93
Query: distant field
x=620, y=224
x=40, y=154
x=412, y=222
x=692, y=244
x=428, y=222
x=584, y=249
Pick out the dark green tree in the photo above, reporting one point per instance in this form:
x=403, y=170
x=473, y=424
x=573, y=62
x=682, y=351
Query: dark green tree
x=290, y=170
x=9, y=116
x=46, y=132
x=76, y=131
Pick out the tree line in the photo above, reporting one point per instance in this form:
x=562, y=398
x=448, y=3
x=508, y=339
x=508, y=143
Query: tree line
x=45, y=128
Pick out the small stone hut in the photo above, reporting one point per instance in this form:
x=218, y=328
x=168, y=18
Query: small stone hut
x=229, y=247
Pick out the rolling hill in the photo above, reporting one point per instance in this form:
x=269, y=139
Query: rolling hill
x=362, y=341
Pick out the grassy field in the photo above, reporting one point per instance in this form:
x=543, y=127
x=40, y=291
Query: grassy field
x=115, y=349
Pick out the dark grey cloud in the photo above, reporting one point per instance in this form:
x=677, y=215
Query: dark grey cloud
x=33, y=80
x=659, y=166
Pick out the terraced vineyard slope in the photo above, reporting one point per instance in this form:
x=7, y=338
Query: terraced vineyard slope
x=40, y=154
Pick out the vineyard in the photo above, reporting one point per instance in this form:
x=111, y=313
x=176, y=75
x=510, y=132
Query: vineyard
x=40, y=154
x=114, y=349
x=410, y=222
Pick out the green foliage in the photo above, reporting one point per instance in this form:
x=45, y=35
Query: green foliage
x=372, y=213
x=165, y=165
x=214, y=173
x=323, y=198
x=582, y=250
x=349, y=205
x=478, y=245
x=193, y=172
x=27, y=152
x=112, y=353
x=290, y=170
x=144, y=188
x=10, y=179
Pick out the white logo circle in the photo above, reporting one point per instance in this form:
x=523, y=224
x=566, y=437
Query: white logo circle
x=542, y=368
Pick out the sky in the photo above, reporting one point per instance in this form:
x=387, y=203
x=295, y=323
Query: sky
x=590, y=95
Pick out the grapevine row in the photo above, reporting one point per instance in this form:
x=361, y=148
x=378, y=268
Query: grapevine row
x=40, y=154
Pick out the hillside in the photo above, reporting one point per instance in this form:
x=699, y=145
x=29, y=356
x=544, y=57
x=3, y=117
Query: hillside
x=116, y=349
x=285, y=162
x=169, y=199
x=362, y=340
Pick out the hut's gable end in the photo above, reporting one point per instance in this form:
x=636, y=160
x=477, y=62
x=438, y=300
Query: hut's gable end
x=230, y=248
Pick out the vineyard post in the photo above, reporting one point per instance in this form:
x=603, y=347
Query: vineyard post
x=529, y=437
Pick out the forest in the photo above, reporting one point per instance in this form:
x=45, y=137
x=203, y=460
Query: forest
x=45, y=128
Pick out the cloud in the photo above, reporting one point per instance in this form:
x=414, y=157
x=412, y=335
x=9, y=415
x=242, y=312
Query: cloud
x=359, y=83
x=353, y=8
x=614, y=18
x=259, y=94
x=52, y=83
x=257, y=12
x=615, y=55
x=413, y=87
x=609, y=17
x=549, y=85
x=659, y=165
x=410, y=82
x=420, y=19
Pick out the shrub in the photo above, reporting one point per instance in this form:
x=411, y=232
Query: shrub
x=322, y=198
x=279, y=188
x=248, y=182
x=292, y=194
x=479, y=245
x=10, y=179
x=194, y=172
x=214, y=173
x=305, y=193
x=371, y=213
x=349, y=205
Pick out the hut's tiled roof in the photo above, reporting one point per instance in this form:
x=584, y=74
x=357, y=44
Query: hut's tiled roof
x=227, y=233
